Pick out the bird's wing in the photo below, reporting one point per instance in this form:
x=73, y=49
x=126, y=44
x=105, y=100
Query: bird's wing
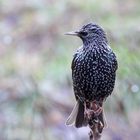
x=73, y=61
x=73, y=64
x=75, y=58
x=115, y=63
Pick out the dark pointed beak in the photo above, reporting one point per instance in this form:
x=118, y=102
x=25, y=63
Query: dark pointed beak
x=74, y=33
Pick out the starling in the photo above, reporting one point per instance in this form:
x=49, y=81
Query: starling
x=94, y=68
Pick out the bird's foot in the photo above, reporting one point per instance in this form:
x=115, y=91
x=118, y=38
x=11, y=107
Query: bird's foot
x=88, y=113
x=96, y=108
x=93, y=109
x=98, y=111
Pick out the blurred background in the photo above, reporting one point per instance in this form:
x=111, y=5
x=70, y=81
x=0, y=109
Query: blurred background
x=36, y=94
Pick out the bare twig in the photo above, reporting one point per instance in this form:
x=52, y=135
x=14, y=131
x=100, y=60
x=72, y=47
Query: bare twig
x=96, y=124
x=96, y=130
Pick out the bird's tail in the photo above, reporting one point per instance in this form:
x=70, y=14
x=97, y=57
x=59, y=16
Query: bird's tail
x=77, y=116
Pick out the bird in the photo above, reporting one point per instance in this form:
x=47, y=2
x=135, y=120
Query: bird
x=94, y=67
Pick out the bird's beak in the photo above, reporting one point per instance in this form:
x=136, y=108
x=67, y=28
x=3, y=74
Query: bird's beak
x=74, y=33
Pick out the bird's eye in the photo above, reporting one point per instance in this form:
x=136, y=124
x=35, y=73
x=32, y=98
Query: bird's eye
x=93, y=29
x=84, y=33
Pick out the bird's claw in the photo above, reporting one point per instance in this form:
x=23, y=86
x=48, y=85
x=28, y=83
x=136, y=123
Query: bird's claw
x=98, y=111
x=88, y=113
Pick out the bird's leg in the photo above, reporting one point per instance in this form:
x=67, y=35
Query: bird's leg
x=96, y=108
x=87, y=111
x=98, y=112
x=92, y=108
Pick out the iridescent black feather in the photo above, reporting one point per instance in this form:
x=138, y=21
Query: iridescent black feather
x=93, y=67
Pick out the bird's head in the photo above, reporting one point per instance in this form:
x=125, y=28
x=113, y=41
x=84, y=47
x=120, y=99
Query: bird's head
x=90, y=32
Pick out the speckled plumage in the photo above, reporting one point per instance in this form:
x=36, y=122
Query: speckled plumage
x=93, y=68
